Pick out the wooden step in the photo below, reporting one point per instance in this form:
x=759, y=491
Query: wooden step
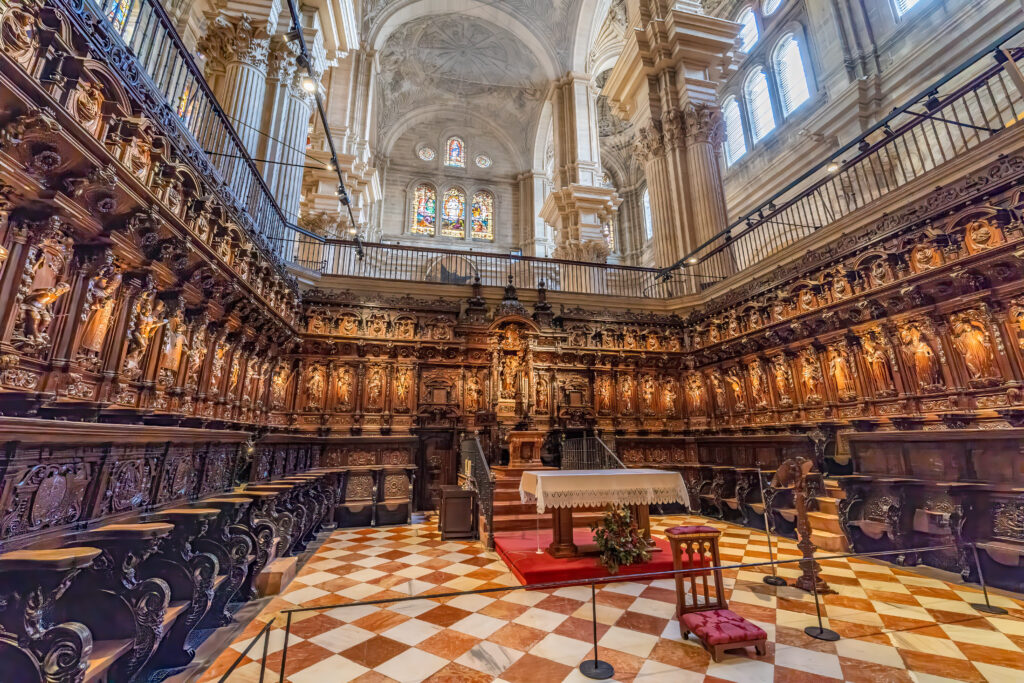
x=788, y=514
x=514, y=508
x=507, y=495
x=828, y=505
x=832, y=542
x=833, y=489
x=526, y=522
x=104, y=654
x=822, y=521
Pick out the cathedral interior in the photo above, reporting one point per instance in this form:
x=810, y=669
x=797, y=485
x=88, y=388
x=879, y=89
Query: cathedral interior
x=294, y=292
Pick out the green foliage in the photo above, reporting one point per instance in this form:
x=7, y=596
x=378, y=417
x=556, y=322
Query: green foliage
x=619, y=541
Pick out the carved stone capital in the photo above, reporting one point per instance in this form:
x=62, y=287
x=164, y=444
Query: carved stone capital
x=235, y=39
x=704, y=124
x=649, y=144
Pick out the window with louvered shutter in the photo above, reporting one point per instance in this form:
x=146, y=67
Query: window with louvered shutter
x=769, y=6
x=735, y=144
x=904, y=6
x=748, y=32
x=759, y=104
x=648, y=223
x=789, y=72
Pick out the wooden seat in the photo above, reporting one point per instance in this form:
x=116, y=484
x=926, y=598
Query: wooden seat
x=141, y=530
x=103, y=656
x=56, y=559
x=704, y=610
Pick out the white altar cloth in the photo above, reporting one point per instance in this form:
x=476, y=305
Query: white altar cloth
x=594, y=488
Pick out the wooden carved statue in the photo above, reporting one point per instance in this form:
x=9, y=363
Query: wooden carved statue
x=343, y=387
x=217, y=367
x=315, y=388
x=877, y=360
x=647, y=394
x=981, y=234
x=99, y=307
x=921, y=356
x=721, y=406
x=604, y=393
x=174, y=343
x=278, y=384
x=474, y=392
x=626, y=394
x=971, y=338
x=148, y=320
x=196, y=356
x=810, y=376
x=669, y=394
x=735, y=381
x=403, y=379
x=758, y=385
x=349, y=325
x=783, y=379
x=35, y=315
x=542, y=395
x=375, y=388
x=695, y=393
x=841, y=370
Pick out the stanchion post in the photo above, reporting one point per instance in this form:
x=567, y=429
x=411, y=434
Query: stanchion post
x=263, y=659
x=988, y=607
x=772, y=579
x=284, y=652
x=595, y=668
x=819, y=632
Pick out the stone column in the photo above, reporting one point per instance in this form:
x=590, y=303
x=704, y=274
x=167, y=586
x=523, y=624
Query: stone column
x=236, y=51
x=705, y=133
x=579, y=205
x=533, y=232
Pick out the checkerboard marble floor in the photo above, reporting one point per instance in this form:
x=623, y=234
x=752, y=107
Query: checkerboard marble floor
x=896, y=625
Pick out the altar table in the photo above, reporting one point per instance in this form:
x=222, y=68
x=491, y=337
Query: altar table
x=563, y=490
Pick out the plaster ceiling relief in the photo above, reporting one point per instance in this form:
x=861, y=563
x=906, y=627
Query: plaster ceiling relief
x=461, y=63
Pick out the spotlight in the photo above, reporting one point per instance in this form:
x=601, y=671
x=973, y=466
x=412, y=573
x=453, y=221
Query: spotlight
x=933, y=103
x=308, y=84
x=833, y=167
x=331, y=166
x=864, y=146
x=352, y=231
x=692, y=260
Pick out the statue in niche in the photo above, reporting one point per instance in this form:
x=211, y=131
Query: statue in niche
x=375, y=388
x=734, y=327
x=925, y=257
x=377, y=325
x=278, y=384
x=922, y=357
x=629, y=339
x=695, y=393
x=542, y=395
x=439, y=329
x=713, y=335
x=653, y=341
x=234, y=375
x=217, y=367
x=473, y=394
x=841, y=371
x=196, y=356
x=402, y=380
x=315, y=388
x=981, y=234
x=35, y=315
x=669, y=394
x=779, y=310
x=608, y=338
x=147, y=321
x=807, y=300
x=783, y=379
x=626, y=394
x=511, y=366
x=840, y=285
x=754, y=319
x=405, y=328
x=99, y=307
x=879, y=272
x=810, y=375
x=877, y=360
x=316, y=323
x=173, y=343
x=349, y=325
x=673, y=344
x=604, y=393
x=719, y=391
x=647, y=394
x=758, y=385
x=736, y=385
x=343, y=387
x=577, y=338
x=972, y=340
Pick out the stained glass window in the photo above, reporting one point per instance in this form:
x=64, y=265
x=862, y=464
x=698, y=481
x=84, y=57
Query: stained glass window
x=483, y=216
x=455, y=153
x=648, y=223
x=118, y=13
x=483, y=161
x=609, y=235
x=453, y=214
x=424, y=207
x=187, y=102
x=426, y=153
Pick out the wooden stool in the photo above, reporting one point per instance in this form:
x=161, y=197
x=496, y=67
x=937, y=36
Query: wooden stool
x=704, y=611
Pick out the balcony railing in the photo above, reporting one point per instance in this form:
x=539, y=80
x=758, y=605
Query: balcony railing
x=417, y=264
x=167, y=70
x=978, y=100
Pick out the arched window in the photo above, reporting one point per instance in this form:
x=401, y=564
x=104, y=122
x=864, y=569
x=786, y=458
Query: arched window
x=748, y=32
x=904, y=6
x=769, y=6
x=483, y=216
x=424, y=210
x=453, y=213
x=759, y=104
x=609, y=235
x=648, y=223
x=789, y=71
x=735, y=143
x=455, y=153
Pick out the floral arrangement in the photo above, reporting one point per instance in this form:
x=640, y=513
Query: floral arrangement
x=619, y=541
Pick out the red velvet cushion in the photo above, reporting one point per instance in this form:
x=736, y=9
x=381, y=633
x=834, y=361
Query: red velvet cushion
x=680, y=530
x=721, y=627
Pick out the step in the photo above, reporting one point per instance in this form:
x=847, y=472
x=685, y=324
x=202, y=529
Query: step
x=507, y=495
x=104, y=654
x=527, y=522
x=514, y=508
x=788, y=514
x=833, y=489
x=832, y=542
x=822, y=521
x=276, y=575
x=828, y=505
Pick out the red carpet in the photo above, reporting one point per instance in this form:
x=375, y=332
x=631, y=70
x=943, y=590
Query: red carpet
x=519, y=551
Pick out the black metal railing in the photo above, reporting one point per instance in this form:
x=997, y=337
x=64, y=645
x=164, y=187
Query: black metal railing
x=976, y=101
x=589, y=453
x=475, y=474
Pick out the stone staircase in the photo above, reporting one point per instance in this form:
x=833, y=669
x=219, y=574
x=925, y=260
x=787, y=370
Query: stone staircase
x=512, y=515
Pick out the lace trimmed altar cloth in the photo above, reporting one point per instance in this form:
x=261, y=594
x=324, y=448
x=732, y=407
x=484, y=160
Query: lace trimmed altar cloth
x=595, y=488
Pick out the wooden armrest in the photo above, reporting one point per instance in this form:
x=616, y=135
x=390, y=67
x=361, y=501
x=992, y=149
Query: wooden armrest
x=56, y=559
x=140, y=531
